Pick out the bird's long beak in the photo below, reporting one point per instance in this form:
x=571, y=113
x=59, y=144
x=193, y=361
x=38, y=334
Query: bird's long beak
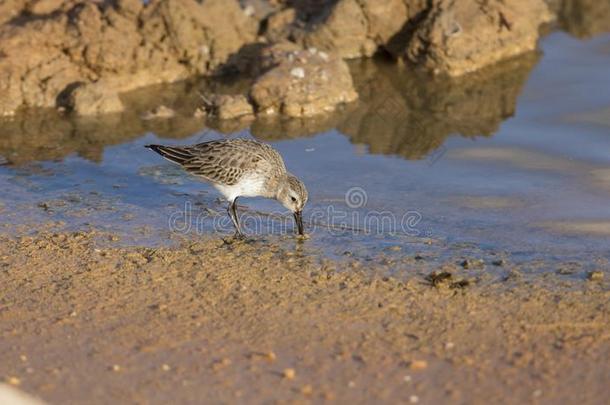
x=298, y=219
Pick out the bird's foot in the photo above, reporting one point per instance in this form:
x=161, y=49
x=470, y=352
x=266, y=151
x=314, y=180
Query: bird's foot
x=236, y=237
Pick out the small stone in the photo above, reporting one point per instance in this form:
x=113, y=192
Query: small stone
x=565, y=271
x=407, y=378
x=227, y=107
x=329, y=396
x=200, y=112
x=116, y=368
x=472, y=263
x=413, y=399
x=220, y=364
x=159, y=112
x=23, y=357
x=418, y=364
x=165, y=367
x=324, y=56
x=289, y=373
x=12, y=380
x=271, y=356
x=307, y=389
x=249, y=11
x=499, y=262
x=449, y=345
x=595, y=275
x=351, y=384
x=298, y=72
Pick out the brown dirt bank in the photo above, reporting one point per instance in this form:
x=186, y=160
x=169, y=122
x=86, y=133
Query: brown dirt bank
x=84, y=322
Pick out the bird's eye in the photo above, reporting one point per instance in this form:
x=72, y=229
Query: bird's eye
x=293, y=199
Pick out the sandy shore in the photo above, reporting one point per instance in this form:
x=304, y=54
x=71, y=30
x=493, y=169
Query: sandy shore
x=85, y=322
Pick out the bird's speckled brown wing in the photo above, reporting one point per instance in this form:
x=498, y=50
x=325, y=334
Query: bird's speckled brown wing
x=226, y=161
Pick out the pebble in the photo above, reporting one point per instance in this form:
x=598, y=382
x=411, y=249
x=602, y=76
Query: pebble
x=418, y=365
x=413, y=399
x=307, y=389
x=165, y=367
x=298, y=72
x=472, y=263
x=407, y=378
x=13, y=380
x=116, y=368
x=289, y=373
x=159, y=112
x=351, y=384
x=595, y=276
x=271, y=356
x=222, y=363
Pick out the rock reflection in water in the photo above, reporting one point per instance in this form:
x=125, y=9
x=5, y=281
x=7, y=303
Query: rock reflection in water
x=584, y=18
x=48, y=136
x=400, y=112
x=411, y=115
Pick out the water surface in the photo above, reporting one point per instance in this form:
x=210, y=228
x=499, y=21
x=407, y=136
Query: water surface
x=514, y=160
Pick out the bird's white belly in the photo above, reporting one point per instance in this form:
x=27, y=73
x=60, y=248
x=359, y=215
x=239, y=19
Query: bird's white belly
x=252, y=186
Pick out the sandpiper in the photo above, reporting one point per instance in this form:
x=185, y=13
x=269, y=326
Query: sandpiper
x=241, y=168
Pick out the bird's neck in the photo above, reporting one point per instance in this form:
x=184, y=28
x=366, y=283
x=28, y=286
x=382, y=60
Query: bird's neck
x=278, y=187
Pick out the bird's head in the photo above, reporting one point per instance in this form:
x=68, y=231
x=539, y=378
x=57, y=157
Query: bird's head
x=293, y=195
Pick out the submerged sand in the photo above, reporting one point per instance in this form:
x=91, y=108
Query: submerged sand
x=83, y=321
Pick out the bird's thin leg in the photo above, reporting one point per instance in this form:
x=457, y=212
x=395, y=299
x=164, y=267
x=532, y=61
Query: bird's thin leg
x=233, y=214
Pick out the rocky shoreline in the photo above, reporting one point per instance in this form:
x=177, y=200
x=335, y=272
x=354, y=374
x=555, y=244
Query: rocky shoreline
x=82, y=56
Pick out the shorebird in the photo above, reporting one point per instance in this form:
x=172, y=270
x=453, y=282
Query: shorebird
x=241, y=168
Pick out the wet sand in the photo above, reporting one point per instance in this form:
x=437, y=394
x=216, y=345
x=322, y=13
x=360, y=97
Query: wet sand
x=86, y=320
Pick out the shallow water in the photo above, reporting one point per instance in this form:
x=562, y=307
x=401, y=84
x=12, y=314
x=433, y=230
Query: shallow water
x=511, y=161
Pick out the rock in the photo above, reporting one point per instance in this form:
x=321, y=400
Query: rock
x=289, y=373
x=41, y=7
x=460, y=37
x=472, y=264
x=595, y=275
x=418, y=365
x=95, y=98
x=10, y=9
x=357, y=28
x=279, y=24
x=202, y=36
x=159, y=112
x=229, y=106
x=299, y=82
x=78, y=44
x=584, y=18
x=11, y=395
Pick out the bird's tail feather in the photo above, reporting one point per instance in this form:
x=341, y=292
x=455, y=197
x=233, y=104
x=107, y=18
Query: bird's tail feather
x=172, y=153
